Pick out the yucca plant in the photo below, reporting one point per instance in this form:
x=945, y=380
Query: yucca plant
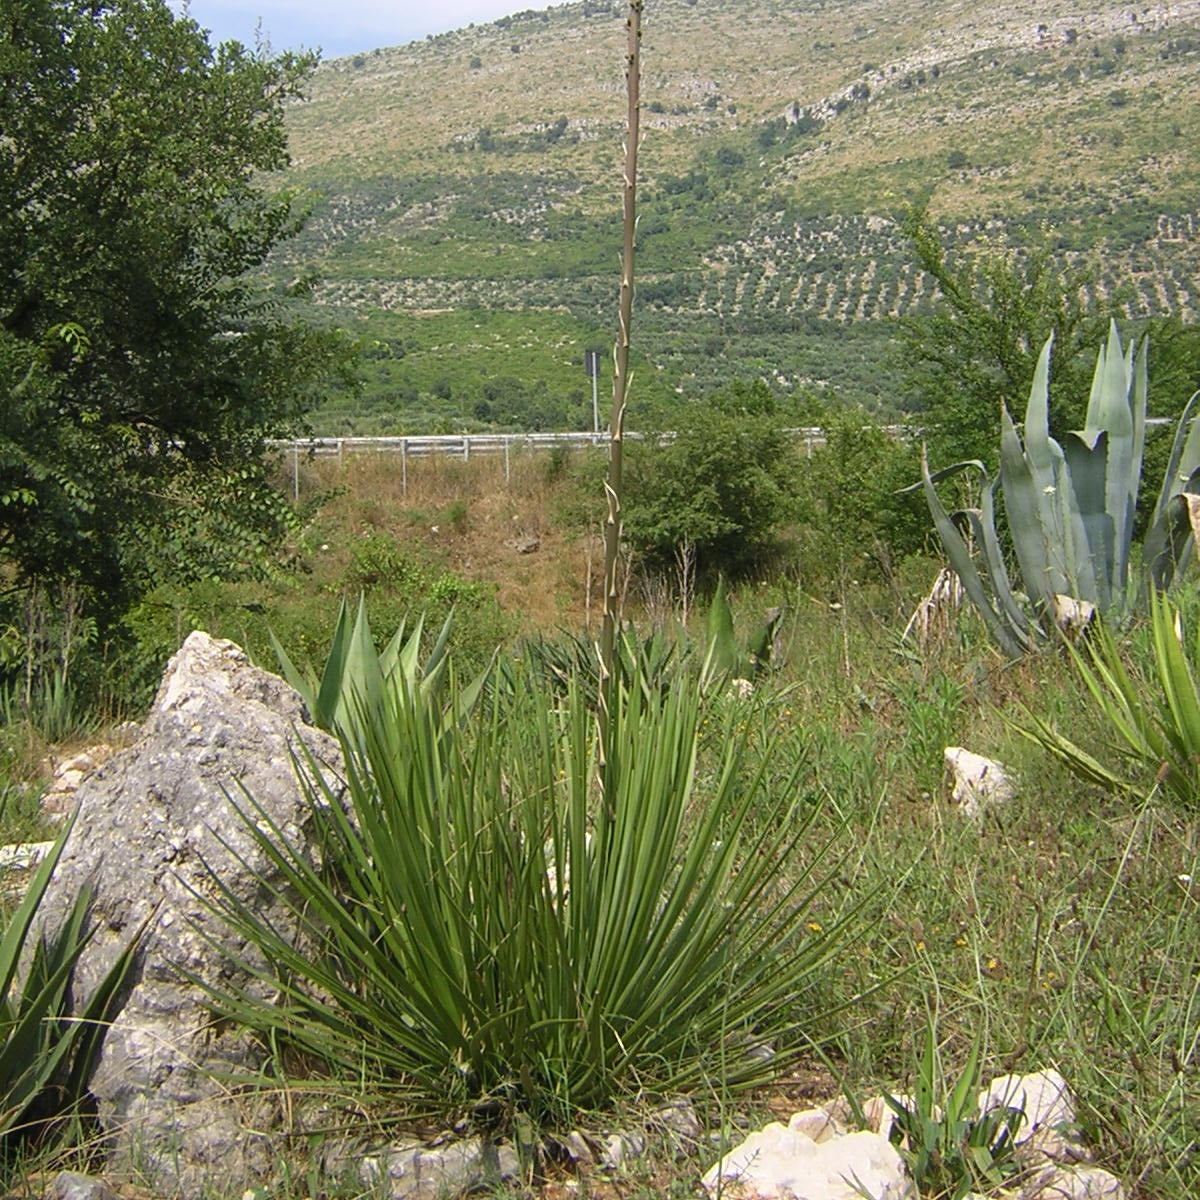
x=48, y=1047
x=356, y=678
x=482, y=927
x=1071, y=508
x=1156, y=724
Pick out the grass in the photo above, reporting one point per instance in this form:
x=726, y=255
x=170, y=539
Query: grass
x=1064, y=926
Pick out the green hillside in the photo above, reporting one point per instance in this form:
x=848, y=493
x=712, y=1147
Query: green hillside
x=466, y=190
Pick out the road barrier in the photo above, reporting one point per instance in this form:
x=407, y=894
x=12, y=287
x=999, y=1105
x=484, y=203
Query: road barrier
x=467, y=445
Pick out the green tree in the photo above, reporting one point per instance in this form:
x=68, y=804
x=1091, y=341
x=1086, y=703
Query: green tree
x=723, y=483
x=978, y=347
x=144, y=352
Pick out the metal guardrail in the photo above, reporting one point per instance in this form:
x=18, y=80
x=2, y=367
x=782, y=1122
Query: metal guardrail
x=466, y=445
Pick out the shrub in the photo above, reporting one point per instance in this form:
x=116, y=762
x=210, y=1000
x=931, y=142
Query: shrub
x=850, y=518
x=724, y=483
x=487, y=930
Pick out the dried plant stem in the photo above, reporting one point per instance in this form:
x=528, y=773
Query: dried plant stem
x=612, y=487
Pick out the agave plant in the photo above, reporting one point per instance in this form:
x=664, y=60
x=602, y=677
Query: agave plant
x=1071, y=507
x=1157, y=728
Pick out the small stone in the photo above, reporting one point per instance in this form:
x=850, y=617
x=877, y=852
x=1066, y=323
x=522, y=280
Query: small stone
x=1074, y=1183
x=979, y=783
x=621, y=1148
x=679, y=1120
x=71, y=1185
x=577, y=1147
x=22, y=856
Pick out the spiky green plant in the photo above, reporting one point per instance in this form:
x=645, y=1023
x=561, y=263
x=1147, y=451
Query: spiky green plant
x=482, y=926
x=952, y=1148
x=1156, y=723
x=48, y=1046
x=356, y=678
x=1071, y=508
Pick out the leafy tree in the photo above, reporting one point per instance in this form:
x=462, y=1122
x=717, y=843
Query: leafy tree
x=978, y=348
x=723, y=484
x=144, y=354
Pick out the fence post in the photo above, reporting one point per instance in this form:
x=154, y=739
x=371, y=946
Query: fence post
x=339, y=453
x=466, y=447
x=404, y=467
x=507, y=474
x=295, y=473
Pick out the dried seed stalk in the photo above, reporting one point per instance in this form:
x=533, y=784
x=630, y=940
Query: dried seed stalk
x=612, y=487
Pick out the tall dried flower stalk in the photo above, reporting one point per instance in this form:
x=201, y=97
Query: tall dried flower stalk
x=612, y=487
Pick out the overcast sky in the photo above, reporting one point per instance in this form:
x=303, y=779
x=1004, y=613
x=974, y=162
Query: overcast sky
x=340, y=27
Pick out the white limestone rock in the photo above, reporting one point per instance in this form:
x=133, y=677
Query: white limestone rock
x=978, y=783
x=1047, y=1129
x=783, y=1162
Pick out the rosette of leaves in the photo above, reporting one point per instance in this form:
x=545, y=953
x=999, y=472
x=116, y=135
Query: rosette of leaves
x=482, y=928
x=1070, y=508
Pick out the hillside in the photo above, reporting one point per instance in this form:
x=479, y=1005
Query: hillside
x=466, y=189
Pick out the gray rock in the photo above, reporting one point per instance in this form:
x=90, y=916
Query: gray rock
x=149, y=820
x=413, y=1171
x=677, y=1124
x=70, y=1185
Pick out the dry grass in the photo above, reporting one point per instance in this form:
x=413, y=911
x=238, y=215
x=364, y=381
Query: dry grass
x=472, y=518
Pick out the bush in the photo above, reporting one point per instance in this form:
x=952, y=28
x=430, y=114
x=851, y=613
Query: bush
x=850, y=518
x=515, y=941
x=723, y=484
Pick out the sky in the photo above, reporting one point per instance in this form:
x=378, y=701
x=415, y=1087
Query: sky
x=344, y=26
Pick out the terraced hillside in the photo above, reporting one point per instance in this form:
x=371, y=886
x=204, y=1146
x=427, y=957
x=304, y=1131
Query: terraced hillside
x=466, y=188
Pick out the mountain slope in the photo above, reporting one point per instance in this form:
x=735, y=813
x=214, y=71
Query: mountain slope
x=467, y=187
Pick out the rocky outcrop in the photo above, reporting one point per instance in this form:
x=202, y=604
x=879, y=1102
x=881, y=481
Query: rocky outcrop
x=157, y=825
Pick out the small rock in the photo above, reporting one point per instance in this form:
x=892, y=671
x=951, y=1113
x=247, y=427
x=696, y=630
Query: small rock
x=780, y=1163
x=71, y=1185
x=577, y=1147
x=679, y=1121
x=1073, y=616
x=1074, y=1183
x=979, y=783
x=22, y=856
x=621, y=1148
x=416, y=1172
